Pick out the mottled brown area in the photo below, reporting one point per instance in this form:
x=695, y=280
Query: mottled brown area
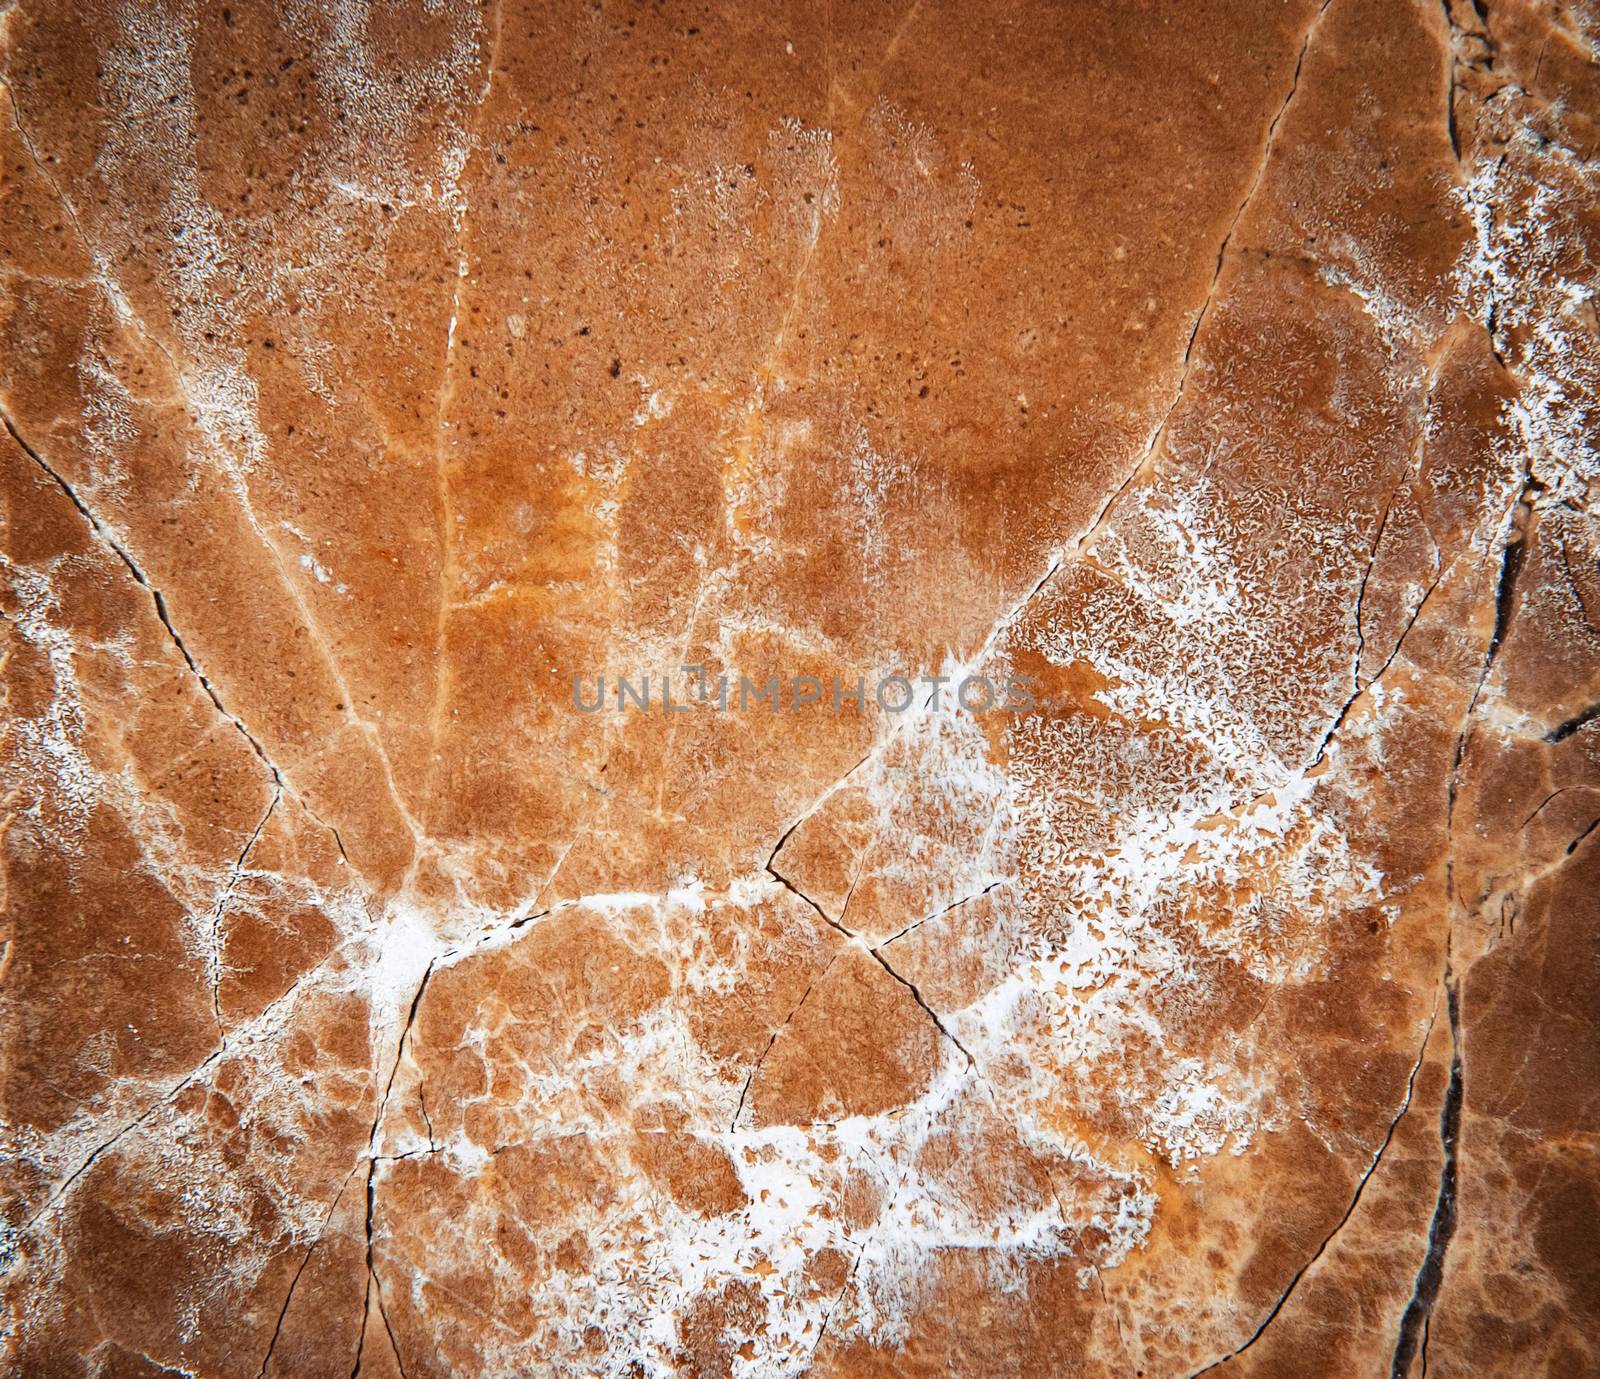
x=1217, y=382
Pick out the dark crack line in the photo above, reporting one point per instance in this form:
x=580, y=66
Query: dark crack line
x=815, y=805
x=156, y=596
x=422, y=1106
x=1573, y=846
x=1512, y=559
x=1562, y=731
x=827, y=1318
x=941, y=913
x=1261, y=172
x=1442, y=1228
x=171, y=1094
x=1349, y=1211
x=882, y=961
x=789, y=885
x=855, y=879
x=916, y=995
x=1366, y=576
x=1360, y=689
x=1520, y=520
x=366, y=1304
x=372, y=1164
x=1452, y=83
x=221, y=907
x=106, y=1145
x=1157, y=441
x=295, y=1281
x=400, y=1050
x=1553, y=795
x=383, y=1310
x=750, y=1077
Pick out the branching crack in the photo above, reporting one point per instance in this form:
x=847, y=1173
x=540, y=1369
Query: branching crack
x=882, y=961
x=374, y=1283
x=1360, y=689
x=372, y=1158
x=399, y=1052
x=1361, y=591
x=811, y=809
x=260, y=1020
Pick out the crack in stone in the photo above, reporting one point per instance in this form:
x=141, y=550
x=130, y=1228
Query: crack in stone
x=383, y=1316
x=1573, y=846
x=827, y=1317
x=1360, y=689
x=1512, y=558
x=400, y=1048
x=1156, y=443
x=849, y=1278
x=1457, y=55
x=1073, y=551
x=366, y=1306
x=750, y=1077
x=883, y=962
x=222, y=905
x=811, y=809
x=125, y=313
x=941, y=913
x=106, y=1145
x=1366, y=576
x=194, y=1073
x=932, y=1014
x=422, y=1108
x=156, y=596
x=1349, y=1211
x=1442, y=1228
x=1100, y=1278
x=1553, y=795
x=372, y=1165
x=1519, y=522
x=374, y=1283
x=1562, y=731
x=294, y=1283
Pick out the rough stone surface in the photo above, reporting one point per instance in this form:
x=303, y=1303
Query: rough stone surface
x=1228, y=372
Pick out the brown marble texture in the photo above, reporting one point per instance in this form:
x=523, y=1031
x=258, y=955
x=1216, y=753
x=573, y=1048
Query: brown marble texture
x=1228, y=372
